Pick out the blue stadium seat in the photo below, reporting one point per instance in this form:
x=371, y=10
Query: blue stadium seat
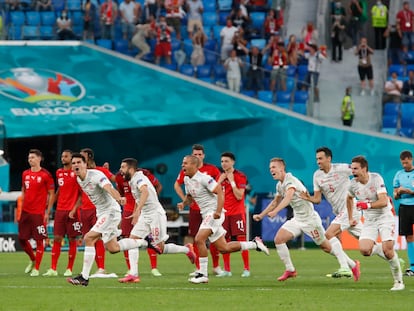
x=222, y=17
x=301, y=97
x=284, y=105
x=291, y=71
x=175, y=44
x=260, y=43
x=209, y=19
x=302, y=70
x=216, y=32
x=266, y=96
x=249, y=93
x=32, y=18
x=300, y=108
x=203, y=71
x=48, y=18
x=14, y=32
x=76, y=17
x=187, y=70
x=206, y=79
x=406, y=132
x=211, y=57
x=407, y=115
x=17, y=18
x=290, y=84
x=121, y=46
x=188, y=47
x=399, y=69
x=389, y=121
x=283, y=97
x=391, y=109
x=209, y=6
x=224, y=5
x=58, y=5
x=47, y=32
x=257, y=19
x=389, y=131
x=30, y=32
x=210, y=45
x=73, y=5
x=409, y=68
x=105, y=43
x=219, y=72
x=172, y=67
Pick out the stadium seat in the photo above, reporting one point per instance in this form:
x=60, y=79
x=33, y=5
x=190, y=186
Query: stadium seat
x=187, y=70
x=219, y=72
x=407, y=115
x=283, y=97
x=290, y=84
x=188, y=47
x=222, y=17
x=172, y=67
x=206, y=79
x=291, y=71
x=209, y=6
x=58, y=5
x=121, y=46
x=211, y=57
x=76, y=17
x=409, y=68
x=391, y=109
x=249, y=93
x=30, y=32
x=389, y=121
x=14, y=32
x=257, y=19
x=209, y=19
x=216, y=32
x=300, y=108
x=284, y=105
x=73, y=5
x=266, y=96
x=105, y=43
x=389, y=131
x=32, y=18
x=302, y=70
x=399, y=69
x=301, y=97
x=225, y=5
x=408, y=57
x=47, y=32
x=210, y=45
x=406, y=132
x=48, y=18
x=17, y=18
x=204, y=71
x=260, y=43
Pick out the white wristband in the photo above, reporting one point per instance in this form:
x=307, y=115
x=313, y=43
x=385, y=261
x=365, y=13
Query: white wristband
x=233, y=184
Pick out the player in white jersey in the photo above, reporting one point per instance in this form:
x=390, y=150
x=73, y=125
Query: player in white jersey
x=372, y=198
x=306, y=219
x=208, y=195
x=332, y=180
x=106, y=199
x=148, y=218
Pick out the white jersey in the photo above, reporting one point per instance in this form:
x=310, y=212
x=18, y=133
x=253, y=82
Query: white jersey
x=200, y=187
x=334, y=185
x=152, y=204
x=93, y=185
x=369, y=192
x=302, y=209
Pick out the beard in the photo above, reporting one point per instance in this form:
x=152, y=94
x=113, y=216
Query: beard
x=127, y=176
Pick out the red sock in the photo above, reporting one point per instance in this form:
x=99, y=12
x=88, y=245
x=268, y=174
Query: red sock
x=215, y=255
x=197, y=261
x=56, y=248
x=40, y=250
x=245, y=253
x=226, y=260
x=100, y=254
x=72, y=253
x=153, y=257
x=27, y=247
x=127, y=259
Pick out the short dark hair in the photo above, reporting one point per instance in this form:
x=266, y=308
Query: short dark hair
x=229, y=154
x=90, y=153
x=326, y=150
x=406, y=155
x=78, y=155
x=198, y=147
x=361, y=160
x=36, y=152
x=131, y=162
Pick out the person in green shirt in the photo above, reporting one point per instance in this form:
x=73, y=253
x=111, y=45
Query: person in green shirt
x=348, y=108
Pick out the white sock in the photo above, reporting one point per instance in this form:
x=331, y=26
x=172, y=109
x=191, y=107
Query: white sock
x=88, y=260
x=340, y=255
x=128, y=243
x=133, y=255
x=172, y=248
x=247, y=245
x=395, y=268
x=377, y=250
x=204, y=265
x=283, y=252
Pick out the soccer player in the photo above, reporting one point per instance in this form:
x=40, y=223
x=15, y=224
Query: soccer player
x=306, y=220
x=88, y=214
x=332, y=180
x=195, y=217
x=38, y=196
x=126, y=224
x=108, y=211
x=66, y=217
x=208, y=194
x=404, y=192
x=372, y=198
x=148, y=218
x=233, y=183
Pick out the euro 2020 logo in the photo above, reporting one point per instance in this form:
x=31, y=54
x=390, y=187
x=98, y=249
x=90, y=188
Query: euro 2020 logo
x=38, y=85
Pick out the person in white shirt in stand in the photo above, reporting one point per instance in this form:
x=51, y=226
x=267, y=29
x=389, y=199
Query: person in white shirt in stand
x=371, y=195
x=315, y=59
x=392, y=89
x=233, y=65
x=226, y=37
x=127, y=11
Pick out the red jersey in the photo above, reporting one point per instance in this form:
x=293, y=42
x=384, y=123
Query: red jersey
x=207, y=168
x=36, y=186
x=68, y=189
x=125, y=189
x=86, y=202
x=231, y=204
x=405, y=19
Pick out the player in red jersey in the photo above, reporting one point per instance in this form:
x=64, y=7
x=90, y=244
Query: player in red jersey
x=126, y=224
x=66, y=217
x=195, y=218
x=234, y=185
x=38, y=195
x=88, y=214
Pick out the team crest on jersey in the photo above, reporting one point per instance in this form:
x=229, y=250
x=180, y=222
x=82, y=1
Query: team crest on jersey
x=39, y=179
x=72, y=174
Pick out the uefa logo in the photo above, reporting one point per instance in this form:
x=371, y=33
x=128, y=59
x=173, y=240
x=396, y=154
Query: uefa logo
x=38, y=85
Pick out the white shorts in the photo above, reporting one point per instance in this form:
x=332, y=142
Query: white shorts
x=215, y=225
x=155, y=224
x=342, y=220
x=382, y=225
x=107, y=225
x=312, y=227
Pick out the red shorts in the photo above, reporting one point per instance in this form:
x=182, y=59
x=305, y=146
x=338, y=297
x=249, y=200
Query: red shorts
x=126, y=225
x=88, y=219
x=235, y=225
x=66, y=225
x=163, y=49
x=32, y=226
x=194, y=222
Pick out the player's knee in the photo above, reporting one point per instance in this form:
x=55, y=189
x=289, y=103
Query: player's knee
x=365, y=251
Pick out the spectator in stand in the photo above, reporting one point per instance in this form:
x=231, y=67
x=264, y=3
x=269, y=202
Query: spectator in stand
x=12, y=5
x=392, y=89
x=43, y=5
x=128, y=12
x=174, y=15
x=379, y=14
x=255, y=72
x=337, y=8
x=226, y=35
x=239, y=42
x=315, y=59
x=142, y=32
x=405, y=20
x=151, y=8
x=292, y=50
x=272, y=25
x=272, y=44
x=195, y=21
x=408, y=88
x=89, y=14
x=109, y=14
x=239, y=19
x=394, y=34
x=64, y=27
x=365, y=69
x=310, y=34
x=337, y=36
x=199, y=39
x=233, y=65
x=355, y=22
x=163, y=45
x=279, y=63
